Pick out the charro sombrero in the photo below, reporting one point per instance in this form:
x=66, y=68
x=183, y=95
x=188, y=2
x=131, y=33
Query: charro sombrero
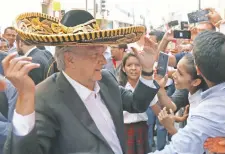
x=77, y=27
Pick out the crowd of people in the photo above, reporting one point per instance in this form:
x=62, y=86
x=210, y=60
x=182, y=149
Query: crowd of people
x=102, y=99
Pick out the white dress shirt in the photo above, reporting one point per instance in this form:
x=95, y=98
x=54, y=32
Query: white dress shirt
x=29, y=51
x=194, y=101
x=207, y=120
x=23, y=125
x=136, y=117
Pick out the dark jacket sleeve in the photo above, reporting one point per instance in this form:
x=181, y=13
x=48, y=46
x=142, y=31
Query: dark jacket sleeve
x=137, y=101
x=37, y=74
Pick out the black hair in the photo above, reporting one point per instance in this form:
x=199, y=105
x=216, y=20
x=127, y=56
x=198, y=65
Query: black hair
x=159, y=34
x=122, y=75
x=11, y=28
x=209, y=53
x=191, y=70
x=41, y=47
x=123, y=46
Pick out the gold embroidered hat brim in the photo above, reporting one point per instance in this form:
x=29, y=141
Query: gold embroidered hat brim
x=26, y=25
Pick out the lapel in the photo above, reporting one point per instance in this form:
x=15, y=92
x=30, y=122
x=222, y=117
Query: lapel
x=76, y=105
x=115, y=114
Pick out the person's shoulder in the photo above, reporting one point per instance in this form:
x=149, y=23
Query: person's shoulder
x=108, y=76
x=41, y=56
x=47, y=86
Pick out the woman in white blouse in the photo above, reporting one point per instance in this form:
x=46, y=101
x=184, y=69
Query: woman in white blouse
x=135, y=124
x=185, y=77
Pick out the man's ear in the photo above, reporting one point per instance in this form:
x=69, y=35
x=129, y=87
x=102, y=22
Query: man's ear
x=68, y=59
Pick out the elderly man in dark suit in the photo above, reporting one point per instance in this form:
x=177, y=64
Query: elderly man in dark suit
x=79, y=109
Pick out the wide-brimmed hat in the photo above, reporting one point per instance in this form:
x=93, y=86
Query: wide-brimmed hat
x=77, y=27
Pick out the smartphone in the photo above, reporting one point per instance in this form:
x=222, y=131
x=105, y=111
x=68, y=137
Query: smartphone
x=184, y=25
x=162, y=64
x=222, y=28
x=182, y=34
x=198, y=16
x=173, y=23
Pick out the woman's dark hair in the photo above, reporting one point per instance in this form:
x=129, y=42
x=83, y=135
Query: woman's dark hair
x=122, y=74
x=191, y=69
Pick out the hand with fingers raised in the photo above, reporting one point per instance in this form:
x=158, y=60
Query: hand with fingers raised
x=214, y=16
x=148, y=56
x=167, y=120
x=160, y=79
x=16, y=70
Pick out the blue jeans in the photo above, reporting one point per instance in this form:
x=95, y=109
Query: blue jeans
x=161, y=131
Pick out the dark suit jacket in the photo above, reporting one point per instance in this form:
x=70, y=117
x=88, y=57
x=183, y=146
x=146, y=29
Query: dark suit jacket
x=2, y=56
x=64, y=125
x=45, y=59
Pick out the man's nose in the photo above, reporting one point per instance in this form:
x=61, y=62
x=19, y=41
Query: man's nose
x=133, y=67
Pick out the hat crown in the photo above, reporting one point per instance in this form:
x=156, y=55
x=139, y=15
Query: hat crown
x=76, y=17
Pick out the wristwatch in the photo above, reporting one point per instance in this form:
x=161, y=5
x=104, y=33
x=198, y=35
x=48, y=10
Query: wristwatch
x=147, y=73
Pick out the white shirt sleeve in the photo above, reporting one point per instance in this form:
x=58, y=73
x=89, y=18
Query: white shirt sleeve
x=23, y=125
x=154, y=101
x=147, y=82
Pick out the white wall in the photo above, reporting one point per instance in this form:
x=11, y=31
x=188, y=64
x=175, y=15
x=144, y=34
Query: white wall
x=9, y=9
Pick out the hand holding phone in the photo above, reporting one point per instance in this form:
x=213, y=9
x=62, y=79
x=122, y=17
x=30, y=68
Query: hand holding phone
x=162, y=64
x=198, y=16
x=182, y=34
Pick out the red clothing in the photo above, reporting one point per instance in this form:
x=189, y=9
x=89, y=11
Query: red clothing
x=114, y=62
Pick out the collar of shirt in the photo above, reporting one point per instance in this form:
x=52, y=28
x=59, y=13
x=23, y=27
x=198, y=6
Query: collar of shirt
x=29, y=51
x=82, y=91
x=215, y=89
x=196, y=96
x=129, y=87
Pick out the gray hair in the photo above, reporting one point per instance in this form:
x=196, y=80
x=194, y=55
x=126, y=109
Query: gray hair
x=59, y=56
